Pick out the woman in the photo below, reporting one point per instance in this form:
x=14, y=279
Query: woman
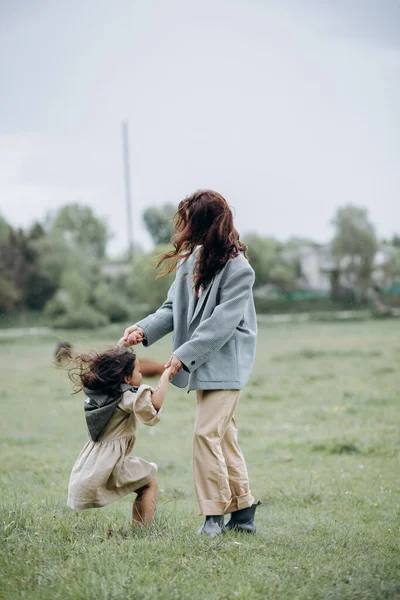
x=210, y=309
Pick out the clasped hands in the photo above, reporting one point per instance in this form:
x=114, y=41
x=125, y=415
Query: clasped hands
x=134, y=335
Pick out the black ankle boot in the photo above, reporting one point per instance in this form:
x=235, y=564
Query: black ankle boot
x=243, y=520
x=212, y=526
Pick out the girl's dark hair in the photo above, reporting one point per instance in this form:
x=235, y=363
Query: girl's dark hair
x=101, y=371
x=204, y=219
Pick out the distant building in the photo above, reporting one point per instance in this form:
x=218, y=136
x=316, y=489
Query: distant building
x=113, y=270
x=317, y=266
x=382, y=257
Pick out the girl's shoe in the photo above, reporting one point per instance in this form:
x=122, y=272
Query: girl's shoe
x=243, y=520
x=212, y=526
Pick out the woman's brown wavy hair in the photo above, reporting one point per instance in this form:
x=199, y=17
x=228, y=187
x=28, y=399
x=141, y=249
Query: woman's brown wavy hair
x=204, y=219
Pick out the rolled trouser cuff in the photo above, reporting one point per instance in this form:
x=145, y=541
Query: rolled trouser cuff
x=217, y=507
x=240, y=502
x=212, y=507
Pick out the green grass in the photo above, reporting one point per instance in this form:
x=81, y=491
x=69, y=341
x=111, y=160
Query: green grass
x=319, y=426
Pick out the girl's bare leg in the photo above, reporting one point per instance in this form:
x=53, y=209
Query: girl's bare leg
x=144, y=507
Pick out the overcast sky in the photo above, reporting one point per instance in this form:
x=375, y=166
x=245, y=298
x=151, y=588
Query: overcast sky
x=289, y=108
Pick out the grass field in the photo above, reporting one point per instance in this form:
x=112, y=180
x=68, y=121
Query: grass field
x=319, y=426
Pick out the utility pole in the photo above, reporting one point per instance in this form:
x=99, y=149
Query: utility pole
x=127, y=180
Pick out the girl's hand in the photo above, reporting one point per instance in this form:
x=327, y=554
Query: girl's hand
x=167, y=373
x=174, y=365
x=133, y=335
x=158, y=396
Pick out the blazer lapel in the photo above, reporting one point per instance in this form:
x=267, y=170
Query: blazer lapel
x=200, y=301
x=191, y=302
x=193, y=308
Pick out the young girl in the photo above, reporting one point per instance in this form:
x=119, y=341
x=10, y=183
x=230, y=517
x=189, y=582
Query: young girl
x=115, y=399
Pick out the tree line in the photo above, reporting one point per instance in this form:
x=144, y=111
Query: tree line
x=351, y=256
x=60, y=266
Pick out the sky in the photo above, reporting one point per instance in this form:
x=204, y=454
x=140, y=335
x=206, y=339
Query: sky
x=288, y=108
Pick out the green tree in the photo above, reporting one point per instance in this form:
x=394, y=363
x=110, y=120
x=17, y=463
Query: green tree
x=145, y=286
x=71, y=296
x=64, y=256
x=70, y=307
x=75, y=240
x=159, y=223
x=272, y=265
x=77, y=288
x=79, y=227
x=56, y=255
x=396, y=241
x=4, y=229
x=110, y=302
x=40, y=288
x=297, y=242
x=9, y=294
x=392, y=266
x=20, y=269
x=354, y=247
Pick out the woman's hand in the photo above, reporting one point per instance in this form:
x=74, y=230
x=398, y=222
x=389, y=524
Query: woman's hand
x=133, y=335
x=174, y=365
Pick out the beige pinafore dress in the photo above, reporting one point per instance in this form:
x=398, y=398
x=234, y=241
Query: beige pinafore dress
x=105, y=470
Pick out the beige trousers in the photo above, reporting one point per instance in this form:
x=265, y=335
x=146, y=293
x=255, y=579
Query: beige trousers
x=220, y=474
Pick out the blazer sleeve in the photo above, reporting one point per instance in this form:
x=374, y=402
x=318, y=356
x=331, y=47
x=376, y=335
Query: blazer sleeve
x=158, y=324
x=214, y=332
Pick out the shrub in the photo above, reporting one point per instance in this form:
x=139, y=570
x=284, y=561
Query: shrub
x=277, y=305
x=86, y=318
x=144, y=286
x=117, y=310
x=77, y=288
x=58, y=305
x=392, y=300
x=114, y=306
x=9, y=294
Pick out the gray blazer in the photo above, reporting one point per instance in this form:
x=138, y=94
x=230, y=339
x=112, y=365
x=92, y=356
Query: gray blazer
x=214, y=338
